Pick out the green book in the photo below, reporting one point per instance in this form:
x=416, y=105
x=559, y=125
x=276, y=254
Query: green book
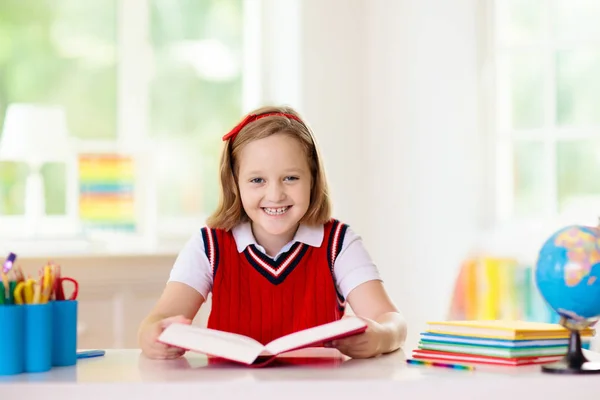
x=495, y=351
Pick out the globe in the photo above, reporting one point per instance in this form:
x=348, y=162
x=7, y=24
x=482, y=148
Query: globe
x=567, y=274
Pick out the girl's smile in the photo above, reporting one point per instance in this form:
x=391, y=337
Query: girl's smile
x=276, y=212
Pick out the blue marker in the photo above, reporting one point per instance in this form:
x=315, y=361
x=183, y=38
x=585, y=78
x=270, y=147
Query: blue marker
x=90, y=353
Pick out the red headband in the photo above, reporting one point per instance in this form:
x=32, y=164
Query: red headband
x=254, y=117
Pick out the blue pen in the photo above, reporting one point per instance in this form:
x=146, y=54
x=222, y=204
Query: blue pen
x=90, y=353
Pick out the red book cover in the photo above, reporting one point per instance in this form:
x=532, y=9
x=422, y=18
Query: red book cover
x=477, y=359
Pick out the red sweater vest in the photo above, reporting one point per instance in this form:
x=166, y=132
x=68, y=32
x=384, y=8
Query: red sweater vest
x=264, y=299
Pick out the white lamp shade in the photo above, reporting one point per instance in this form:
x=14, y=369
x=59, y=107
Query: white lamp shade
x=34, y=134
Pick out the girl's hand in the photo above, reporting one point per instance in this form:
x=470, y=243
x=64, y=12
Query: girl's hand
x=154, y=349
x=365, y=345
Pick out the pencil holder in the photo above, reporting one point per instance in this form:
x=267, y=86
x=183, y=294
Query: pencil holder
x=64, y=335
x=38, y=337
x=12, y=342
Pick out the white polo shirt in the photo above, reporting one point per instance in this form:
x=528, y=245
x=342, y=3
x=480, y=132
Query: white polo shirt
x=353, y=266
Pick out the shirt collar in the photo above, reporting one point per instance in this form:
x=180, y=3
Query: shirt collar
x=310, y=235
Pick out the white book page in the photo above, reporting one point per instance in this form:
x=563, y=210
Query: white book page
x=593, y=356
x=209, y=341
x=318, y=333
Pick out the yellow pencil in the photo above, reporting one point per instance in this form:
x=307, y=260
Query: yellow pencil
x=37, y=291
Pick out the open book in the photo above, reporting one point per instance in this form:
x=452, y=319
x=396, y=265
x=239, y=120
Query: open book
x=246, y=350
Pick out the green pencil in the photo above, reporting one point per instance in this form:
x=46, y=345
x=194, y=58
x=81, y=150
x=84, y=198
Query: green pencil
x=10, y=299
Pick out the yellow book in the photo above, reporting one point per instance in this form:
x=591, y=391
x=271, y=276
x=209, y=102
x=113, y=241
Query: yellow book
x=489, y=289
x=503, y=329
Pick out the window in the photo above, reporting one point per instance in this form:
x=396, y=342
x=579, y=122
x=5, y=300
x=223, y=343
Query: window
x=157, y=80
x=546, y=108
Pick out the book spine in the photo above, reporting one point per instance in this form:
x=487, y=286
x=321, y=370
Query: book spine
x=488, y=288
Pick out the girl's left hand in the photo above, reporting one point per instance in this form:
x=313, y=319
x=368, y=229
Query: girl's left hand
x=365, y=345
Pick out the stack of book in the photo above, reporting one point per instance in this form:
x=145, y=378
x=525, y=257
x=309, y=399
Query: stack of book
x=490, y=288
x=511, y=343
x=106, y=192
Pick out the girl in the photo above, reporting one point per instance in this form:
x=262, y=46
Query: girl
x=272, y=256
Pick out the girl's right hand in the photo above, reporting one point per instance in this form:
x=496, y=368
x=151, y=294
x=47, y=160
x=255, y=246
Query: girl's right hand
x=154, y=349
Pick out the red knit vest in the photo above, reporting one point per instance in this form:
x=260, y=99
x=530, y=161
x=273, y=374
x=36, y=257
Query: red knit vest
x=264, y=299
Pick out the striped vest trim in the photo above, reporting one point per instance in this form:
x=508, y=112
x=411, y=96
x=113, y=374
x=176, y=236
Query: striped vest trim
x=211, y=248
x=334, y=246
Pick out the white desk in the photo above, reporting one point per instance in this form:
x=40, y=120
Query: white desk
x=127, y=373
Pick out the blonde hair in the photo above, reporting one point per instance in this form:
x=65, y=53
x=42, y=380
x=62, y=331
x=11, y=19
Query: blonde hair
x=230, y=211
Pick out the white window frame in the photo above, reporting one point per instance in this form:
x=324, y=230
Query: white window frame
x=502, y=141
x=134, y=53
x=271, y=74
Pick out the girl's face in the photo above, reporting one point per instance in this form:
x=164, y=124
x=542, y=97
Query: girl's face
x=275, y=181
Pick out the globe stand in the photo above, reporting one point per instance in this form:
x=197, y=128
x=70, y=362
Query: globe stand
x=574, y=362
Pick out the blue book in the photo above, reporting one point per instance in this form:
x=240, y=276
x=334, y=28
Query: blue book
x=428, y=337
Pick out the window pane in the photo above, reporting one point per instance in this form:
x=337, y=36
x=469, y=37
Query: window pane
x=578, y=87
x=529, y=186
x=519, y=21
x=180, y=178
x=61, y=52
x=578, y=164
x=12, y=188
x=55, y=188
x=196, y=88
x=196, y=95
x=13, y=177
x=576, y=20
x=520, y=91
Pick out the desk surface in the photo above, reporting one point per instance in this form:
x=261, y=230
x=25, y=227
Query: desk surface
x=323, y=374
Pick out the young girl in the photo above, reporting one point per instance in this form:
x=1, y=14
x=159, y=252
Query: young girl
x=272, y=256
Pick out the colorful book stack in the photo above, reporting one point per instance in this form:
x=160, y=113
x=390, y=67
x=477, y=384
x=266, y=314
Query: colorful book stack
x=106, y=192
x=495, y=342
x=490, y=288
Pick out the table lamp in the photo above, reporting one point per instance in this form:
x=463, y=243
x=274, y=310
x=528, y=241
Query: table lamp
x=34, y=134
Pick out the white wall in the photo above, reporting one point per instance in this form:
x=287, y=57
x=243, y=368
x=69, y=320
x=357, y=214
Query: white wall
x=316, y=64
x=333, y=45
x=391, y=90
